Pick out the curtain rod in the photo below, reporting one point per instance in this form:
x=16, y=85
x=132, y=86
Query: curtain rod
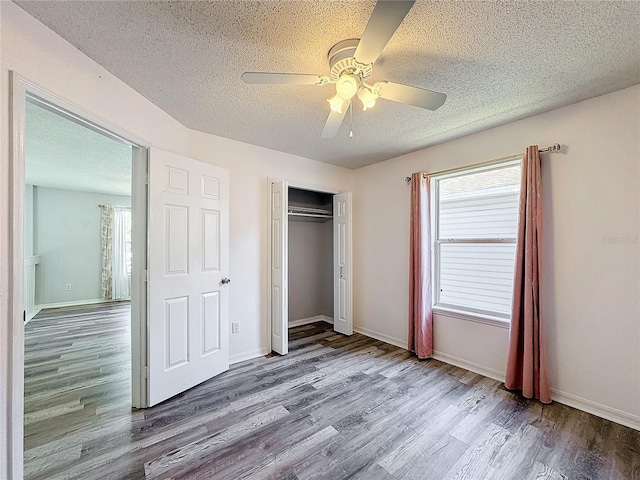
x=552, y=149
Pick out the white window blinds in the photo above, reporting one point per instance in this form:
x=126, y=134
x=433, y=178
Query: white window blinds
x=476, y=218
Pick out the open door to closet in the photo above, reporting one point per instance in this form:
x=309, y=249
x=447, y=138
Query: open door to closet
x=281, y=211
x=342, y=310
x=279, y=272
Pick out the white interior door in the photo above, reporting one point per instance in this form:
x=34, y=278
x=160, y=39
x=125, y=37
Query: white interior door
x=279, y=268
x=188, y=319
x=342, y=306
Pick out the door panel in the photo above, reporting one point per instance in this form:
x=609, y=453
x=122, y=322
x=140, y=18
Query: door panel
x=188, y=257
x=211, y=240
x=177, y=235
x=176, y=332
x=342, y=309
x=279, y=268
x=211, y=322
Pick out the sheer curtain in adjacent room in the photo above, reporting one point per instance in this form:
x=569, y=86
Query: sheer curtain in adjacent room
x=116, y=252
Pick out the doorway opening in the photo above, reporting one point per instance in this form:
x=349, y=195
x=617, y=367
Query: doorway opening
x=77, y=213
x=38, y=201
x=78, y=267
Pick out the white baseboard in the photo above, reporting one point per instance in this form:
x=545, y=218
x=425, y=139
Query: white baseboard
x=467, y=365
x=74, y=303
x=32, y=314
x=597, y=409
x=305, y=321
x=594, y=408
x=380, y=336
x=241, y=357
x=608, y=413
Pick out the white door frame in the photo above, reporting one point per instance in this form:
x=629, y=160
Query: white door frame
x=294, y=184
x=11, y=413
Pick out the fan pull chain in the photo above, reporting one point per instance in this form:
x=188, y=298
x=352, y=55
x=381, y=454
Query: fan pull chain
x=350, y=120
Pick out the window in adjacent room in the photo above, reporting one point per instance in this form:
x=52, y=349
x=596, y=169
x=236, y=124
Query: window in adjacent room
x=475, y=220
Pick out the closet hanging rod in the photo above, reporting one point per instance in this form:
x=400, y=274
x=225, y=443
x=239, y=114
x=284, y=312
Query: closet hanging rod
x=552, y=149
x=321, y=211
x=314, y=215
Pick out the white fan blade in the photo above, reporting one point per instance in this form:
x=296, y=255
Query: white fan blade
x=333, y=124
x=411, y=95
x=284, y=78
x=383, y=23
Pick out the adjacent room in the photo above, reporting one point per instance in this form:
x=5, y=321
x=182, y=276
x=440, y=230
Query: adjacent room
x=77, y=275
x=374, y=240
x=74, y=174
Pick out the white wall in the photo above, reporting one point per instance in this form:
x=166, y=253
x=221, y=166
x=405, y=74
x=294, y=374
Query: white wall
x=46, y=59
x=310, y=269
x=591, y=280
x=249, y=168
x=43, y=57
x=67, y=238
x=591, y=300
x=28, y=221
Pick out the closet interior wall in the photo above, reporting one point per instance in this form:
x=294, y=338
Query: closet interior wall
x=310, y=257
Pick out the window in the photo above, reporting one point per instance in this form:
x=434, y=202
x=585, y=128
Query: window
x=475, y=221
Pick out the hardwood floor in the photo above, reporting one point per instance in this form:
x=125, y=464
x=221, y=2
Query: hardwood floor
x=335, y=407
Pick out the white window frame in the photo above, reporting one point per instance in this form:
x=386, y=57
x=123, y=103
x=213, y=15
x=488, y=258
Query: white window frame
x=465, y=313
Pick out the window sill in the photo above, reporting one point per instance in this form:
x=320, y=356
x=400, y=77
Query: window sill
x=473, y=317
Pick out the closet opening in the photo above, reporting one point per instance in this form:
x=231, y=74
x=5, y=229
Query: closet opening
x=310, y=260
x=310, y=266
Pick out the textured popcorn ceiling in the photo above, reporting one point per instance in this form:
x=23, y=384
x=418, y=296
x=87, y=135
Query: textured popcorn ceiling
x=63, y=154
x=496, y=61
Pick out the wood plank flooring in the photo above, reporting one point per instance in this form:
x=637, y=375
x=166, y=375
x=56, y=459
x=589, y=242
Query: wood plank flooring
x=336, y=407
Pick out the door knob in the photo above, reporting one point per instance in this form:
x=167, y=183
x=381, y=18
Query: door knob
x=225, y=280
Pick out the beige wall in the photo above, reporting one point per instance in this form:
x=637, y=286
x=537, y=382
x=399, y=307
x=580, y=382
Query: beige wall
x=44, y=58
x=591, y=280
x=249, y=167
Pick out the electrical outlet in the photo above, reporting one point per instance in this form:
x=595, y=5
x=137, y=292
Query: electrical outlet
x=235, y=327
x=67, y=286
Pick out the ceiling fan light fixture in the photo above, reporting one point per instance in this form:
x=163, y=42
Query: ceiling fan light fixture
x=338, y=104
x=347, y=86
x=351, y=62
x=367, y=97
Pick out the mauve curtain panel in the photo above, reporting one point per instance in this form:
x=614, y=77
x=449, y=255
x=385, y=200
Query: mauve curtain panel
x=527, y=359
x=420, y=314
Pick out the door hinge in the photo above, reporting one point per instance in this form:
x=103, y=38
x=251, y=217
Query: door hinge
x=146, y=372
x=146, y=178
x=146, y=275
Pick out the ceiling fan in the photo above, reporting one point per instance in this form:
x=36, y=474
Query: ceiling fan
x=351, y=63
